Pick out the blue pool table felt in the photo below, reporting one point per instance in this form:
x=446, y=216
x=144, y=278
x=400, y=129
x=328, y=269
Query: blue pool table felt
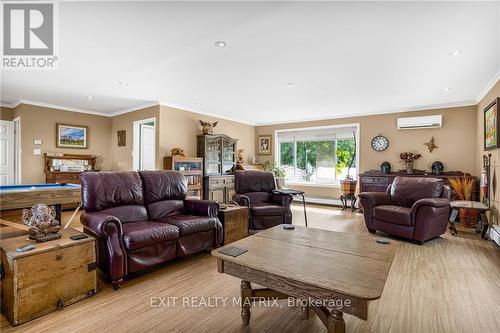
x=29, y=187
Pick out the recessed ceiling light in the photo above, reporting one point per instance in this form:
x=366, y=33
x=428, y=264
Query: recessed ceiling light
x=124, y=84
x=324, y=105
x=455, y=53
x=289, y=84
x=447, y=89
x=89, y=97
x=220, y=43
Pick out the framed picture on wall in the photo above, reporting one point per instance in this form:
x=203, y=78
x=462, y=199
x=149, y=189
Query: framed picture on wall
x=122, y=138
x=71, y=136
x=264, y=143
x=492, y=126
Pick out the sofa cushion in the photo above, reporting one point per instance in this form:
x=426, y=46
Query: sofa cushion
x=163, y=185
x=190, y=224
x=139, y=234
x=393, y=214
x=165, y=208
x=105, y=189
x=405, y=191
x=266, y=209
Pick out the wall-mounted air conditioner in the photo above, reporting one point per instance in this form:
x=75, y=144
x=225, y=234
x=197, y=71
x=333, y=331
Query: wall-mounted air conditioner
x=420, y=122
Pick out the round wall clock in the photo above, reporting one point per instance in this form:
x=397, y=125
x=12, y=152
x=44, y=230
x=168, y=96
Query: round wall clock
x=380, y=143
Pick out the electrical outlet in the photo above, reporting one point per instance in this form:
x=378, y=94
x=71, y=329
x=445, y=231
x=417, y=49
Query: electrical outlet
x=37, y=151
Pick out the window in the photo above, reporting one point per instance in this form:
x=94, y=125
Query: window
x=317, y=155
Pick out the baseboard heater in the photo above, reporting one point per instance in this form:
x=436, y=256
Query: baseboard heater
x=494, y=234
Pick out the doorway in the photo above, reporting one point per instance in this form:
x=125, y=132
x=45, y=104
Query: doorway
x=144, y=144
x=7, y=153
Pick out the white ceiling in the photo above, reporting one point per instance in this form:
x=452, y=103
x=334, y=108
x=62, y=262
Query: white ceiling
x=343, y=58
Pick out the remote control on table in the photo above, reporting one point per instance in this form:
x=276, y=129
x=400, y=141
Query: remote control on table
x=288, y=227
x=79, y=236
x=26, y=248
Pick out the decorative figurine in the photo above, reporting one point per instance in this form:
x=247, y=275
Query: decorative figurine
x=385, y=167
x=42, y=222
x=241, y=155
x=177, y=152
x=431, y=145
x=207, y=127
x=437, y=167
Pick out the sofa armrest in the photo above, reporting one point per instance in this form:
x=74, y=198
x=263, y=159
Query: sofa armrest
x=370, y=200
x=430, y=218
x=102, y=225
x=375, y=198
x=242, y=200
x=201, y=207
x=112, y=256
x=283, y=199
x=432, y=202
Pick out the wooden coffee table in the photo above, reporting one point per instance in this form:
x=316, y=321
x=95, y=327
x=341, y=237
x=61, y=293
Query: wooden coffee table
x=331, y=272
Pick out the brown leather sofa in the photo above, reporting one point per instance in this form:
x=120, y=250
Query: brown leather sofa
x=254, y=189
x=142, y=219
x=413, y=207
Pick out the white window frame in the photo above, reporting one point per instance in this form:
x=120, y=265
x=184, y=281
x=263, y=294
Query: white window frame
x=277, y=155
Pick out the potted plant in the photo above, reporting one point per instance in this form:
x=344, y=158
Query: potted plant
x=348, y=186
x=463, y=188
x=279, y=173
x=409, y=159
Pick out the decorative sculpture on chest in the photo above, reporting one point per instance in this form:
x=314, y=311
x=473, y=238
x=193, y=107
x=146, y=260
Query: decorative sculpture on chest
x=42, y=223
x=207, y=127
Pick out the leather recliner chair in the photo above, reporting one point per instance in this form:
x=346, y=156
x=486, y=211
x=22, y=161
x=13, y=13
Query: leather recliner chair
x=412, y=207
x=142, y=219
x=254, y=189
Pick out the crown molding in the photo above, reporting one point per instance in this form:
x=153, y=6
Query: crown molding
x=132, y=109
x=491, y=83
x=375, y=113
x=183, y=108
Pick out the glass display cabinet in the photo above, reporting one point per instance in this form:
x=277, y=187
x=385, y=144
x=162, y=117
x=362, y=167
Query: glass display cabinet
x=219, y=160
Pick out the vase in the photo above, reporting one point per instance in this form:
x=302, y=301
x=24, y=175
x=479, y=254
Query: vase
x=409, y=167
x=280, y=183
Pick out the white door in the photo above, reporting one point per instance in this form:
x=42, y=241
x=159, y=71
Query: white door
x=7, y=152
x=147, y=160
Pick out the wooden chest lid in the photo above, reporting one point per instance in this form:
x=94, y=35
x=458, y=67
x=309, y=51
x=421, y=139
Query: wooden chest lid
x=10, y=245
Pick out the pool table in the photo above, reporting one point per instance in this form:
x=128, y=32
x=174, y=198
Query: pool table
x=27, y=195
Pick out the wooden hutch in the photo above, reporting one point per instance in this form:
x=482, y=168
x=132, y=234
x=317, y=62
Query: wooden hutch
x=66, y=168
x=191, y=168
x=219, y=162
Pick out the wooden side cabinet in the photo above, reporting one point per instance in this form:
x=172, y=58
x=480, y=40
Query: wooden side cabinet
x=234, y=221
x=219, y=188
x=55, y=274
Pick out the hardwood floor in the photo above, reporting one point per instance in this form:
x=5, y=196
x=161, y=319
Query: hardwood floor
x=451, y=284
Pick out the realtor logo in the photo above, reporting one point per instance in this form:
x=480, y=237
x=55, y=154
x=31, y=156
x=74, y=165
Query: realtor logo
x=29, y=35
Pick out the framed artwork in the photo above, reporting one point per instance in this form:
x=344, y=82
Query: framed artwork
x=492, y=126
x=122, y=138
x=72, y=136
x=264, y=144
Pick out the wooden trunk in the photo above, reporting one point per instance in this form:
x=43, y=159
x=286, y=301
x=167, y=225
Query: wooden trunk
x=234, y=221
x=55, y=274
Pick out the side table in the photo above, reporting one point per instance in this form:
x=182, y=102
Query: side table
x=482, y=226
x=234, y=221
x=286, y=191
x=345, y=197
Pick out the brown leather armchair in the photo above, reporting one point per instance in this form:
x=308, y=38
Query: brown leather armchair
x=142, y=219
x=254, y=189
x=414, y=208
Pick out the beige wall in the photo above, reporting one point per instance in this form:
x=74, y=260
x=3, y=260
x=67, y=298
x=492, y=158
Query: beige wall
x=456, y=141
x=179, y=128
x=121, y=157
x=6, y=113
x=495, y=158
x=40, y=123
